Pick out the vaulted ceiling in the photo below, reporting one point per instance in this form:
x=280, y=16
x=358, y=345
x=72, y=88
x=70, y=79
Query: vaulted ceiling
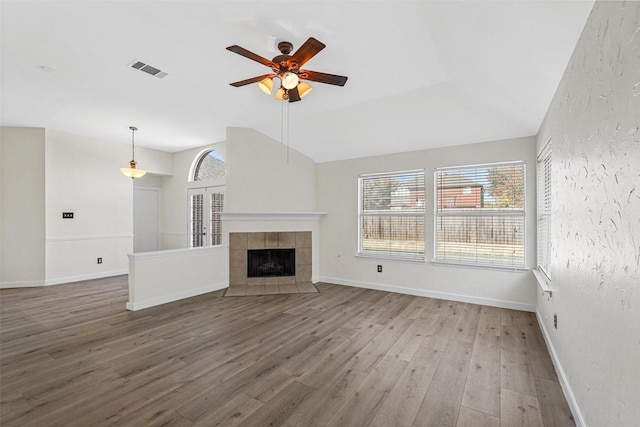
x=422, y=74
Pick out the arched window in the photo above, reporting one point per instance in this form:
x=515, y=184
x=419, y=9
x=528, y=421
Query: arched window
x=209, y=165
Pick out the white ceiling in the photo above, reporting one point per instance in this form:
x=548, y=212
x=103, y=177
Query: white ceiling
x=422, y=74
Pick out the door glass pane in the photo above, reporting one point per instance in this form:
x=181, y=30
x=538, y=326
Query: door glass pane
x=217, y=202
x=197, y=220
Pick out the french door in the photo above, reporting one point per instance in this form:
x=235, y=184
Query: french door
x=205, y=222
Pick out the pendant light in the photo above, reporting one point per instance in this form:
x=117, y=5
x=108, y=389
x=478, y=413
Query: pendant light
x=131, y=171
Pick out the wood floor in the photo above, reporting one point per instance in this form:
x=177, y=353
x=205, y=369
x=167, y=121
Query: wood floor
x=71, y=355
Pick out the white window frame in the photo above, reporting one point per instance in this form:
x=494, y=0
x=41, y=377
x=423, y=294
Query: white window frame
x=390, y=254
x=197, y=161
x=544, y=214
x=484, y=212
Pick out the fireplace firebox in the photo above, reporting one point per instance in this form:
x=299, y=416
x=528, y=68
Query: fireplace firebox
x=271, y=262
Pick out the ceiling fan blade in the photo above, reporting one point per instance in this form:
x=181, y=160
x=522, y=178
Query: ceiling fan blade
x=251, y=80
x=316, y=76
x=248, y=54
x=307, y=51
x=294, y=95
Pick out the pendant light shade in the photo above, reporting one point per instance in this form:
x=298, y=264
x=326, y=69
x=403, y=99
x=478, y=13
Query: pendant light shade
x=266, y=85
x=132, y=172
x=304, y=89
x=280, y=94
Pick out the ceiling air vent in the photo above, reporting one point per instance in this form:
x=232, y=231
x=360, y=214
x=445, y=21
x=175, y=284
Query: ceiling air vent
x=149, y=69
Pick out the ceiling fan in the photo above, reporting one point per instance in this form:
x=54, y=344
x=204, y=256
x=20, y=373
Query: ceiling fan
x=287, y=68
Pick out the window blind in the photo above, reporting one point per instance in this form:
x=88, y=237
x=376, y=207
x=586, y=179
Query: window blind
x=197, y=220
x=543, y=176
x=391, y=215
x=217, y=205
x=480, y=214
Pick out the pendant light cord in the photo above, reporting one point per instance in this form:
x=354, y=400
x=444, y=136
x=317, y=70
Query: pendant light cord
x=133, y=144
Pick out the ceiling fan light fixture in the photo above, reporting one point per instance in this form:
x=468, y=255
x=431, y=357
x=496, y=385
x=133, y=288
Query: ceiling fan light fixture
x=289, y=80
x=286, y=67
x=304, y=89
x=266, y=85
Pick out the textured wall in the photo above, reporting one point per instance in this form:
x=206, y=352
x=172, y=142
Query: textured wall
x=594, y=128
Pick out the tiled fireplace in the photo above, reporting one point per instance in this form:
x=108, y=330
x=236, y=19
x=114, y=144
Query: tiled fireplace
x=241, y=243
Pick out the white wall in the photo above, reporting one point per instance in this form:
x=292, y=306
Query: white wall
x=22, y=207
x=260, y=179
x=165, y=276
x=83, y=177
x=338, y=196
x=67, y=173
x=593, y=124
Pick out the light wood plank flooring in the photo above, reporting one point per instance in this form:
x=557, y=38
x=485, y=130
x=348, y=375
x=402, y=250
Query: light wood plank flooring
x=71, y=355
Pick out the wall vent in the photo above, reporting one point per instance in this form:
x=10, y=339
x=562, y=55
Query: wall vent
x=149, y=69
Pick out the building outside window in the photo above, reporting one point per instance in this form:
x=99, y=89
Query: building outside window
x=480, y=215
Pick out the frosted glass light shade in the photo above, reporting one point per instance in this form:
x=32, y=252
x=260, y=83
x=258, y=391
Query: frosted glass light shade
x=304, y=89
x=280, y=94
x=289, y=80
x=266, y=85
x=132, y=172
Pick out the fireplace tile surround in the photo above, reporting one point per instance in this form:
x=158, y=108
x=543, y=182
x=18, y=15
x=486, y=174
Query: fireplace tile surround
x=241, y=242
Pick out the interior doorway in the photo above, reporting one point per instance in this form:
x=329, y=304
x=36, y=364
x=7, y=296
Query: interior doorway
x=146, y=206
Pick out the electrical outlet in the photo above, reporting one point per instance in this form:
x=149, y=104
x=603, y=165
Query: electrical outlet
x=555, y=320
x=99, y=260
x=379, y=268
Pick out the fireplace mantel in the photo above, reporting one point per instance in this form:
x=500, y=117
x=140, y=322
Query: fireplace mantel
x=273, y=216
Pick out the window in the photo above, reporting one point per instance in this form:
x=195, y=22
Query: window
x=205, y=209
x=209, y=165
x=391, y=215
x=480, y=215
x=543, y=173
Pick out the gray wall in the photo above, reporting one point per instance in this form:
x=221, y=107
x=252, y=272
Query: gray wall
x=22, y=212
x=593, y=125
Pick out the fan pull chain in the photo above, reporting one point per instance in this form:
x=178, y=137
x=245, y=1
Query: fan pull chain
x=284, y=136
x=288, y=127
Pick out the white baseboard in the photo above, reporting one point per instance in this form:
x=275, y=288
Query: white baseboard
x=25, y=284
x=82, y=277
x=566, y=388
x=175, y=297
x=433, y=294
x=61, y=280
